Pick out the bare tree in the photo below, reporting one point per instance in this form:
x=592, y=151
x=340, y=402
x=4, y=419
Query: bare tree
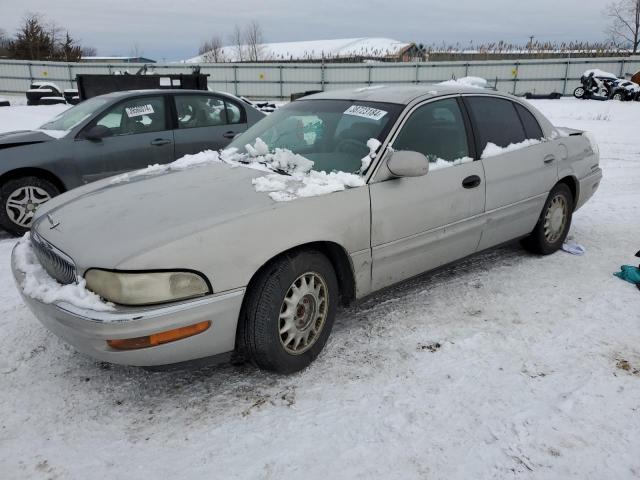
x=135, y=51
x=625, y=23
x=237, y=40
x=211, y=50
x=253, y=41
x=89, y=51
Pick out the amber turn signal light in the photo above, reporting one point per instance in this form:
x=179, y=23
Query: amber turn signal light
x=159, y=338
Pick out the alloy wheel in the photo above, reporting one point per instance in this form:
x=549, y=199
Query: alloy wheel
x=303, y=313
x=22, y=203
x=555, y=219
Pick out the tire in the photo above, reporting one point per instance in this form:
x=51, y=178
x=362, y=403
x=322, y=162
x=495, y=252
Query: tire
x=579, y=92
x=551, y=230
x=19, y=198
x=261, y=335
x=617, y=96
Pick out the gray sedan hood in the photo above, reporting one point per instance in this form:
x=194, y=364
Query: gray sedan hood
x=104, y=223
x=22, y=137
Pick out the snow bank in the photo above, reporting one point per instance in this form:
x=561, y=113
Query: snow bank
x=492, y=150
x=38, y=285
x=475, y=82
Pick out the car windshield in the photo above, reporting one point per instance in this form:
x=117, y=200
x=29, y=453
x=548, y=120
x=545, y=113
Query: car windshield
x=73, y=116
x=331, y=133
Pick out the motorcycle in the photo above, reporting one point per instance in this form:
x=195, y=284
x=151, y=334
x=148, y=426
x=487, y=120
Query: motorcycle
x=594, y=87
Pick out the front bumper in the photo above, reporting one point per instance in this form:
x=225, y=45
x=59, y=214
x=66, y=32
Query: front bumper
x=88, y=330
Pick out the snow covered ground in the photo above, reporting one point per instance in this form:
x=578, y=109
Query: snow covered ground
x=505, y=365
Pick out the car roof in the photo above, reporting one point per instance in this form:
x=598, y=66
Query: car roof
x=156, y=91
x=402, y=95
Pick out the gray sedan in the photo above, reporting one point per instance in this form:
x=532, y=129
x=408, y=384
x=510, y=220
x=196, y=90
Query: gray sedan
x=110, y=134
x=249, y=252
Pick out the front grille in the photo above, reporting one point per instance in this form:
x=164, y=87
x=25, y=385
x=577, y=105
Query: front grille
x=56, y=264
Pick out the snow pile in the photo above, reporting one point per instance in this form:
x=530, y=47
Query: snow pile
x=373, y=144
x=292, y=175
x=599, y=73
x=38, y=285
x=475, y=82
x=440, y=163
x=285, y=188
x=492, y=150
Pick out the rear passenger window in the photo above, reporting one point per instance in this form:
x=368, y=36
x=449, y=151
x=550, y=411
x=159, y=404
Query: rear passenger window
x=531, y=126
x=436, y=130
x=496, y=121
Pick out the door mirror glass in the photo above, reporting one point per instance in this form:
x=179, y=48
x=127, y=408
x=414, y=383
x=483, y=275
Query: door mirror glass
x=406, y=163
x=97, y=133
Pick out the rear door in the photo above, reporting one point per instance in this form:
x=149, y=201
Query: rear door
x=421, y=223
x=139, y=136
x=206, y=122
x=520, y=166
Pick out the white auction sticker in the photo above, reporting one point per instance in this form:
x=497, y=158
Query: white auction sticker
x=365, y=112
x=139, y=110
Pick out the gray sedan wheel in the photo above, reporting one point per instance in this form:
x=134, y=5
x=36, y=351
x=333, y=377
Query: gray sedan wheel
x=288, y=312
x=554, y=223
x=21, y=197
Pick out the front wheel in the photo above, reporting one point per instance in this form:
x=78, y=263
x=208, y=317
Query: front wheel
x=579, y=92
x=618, y=96
x=20, y=198
x=553, y=225
x=289, y=311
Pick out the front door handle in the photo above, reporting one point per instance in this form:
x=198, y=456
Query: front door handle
x=549, y=159
x=471, y=182
x=158, y=142
x=229, y=134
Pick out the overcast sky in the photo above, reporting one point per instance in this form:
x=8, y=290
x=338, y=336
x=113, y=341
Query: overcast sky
x=172, y=30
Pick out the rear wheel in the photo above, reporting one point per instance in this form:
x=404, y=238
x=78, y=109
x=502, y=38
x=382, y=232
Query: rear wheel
x=554, y=222
x=579, y=92
x=618, y=96
x=289, y=311
x=20, y=198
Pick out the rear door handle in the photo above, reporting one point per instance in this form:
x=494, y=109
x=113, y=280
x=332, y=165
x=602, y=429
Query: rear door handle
x=471, y=182
x=549, y=159
x=160, y=141
x=229, y=134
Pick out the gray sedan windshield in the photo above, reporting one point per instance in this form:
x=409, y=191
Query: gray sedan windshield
x=72, y=117
x=331, y=133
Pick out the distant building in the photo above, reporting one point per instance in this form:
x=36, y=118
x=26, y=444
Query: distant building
x=116, y=60
x=337, y=50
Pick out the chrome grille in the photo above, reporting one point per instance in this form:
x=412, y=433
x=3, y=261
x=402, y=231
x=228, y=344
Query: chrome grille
x=55, y=262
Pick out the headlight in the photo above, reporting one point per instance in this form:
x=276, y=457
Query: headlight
x=145, y=288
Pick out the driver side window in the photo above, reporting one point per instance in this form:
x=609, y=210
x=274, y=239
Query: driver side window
x=139, y=115
x=436, y=130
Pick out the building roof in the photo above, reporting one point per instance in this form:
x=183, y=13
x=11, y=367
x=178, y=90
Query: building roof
x=317, y=50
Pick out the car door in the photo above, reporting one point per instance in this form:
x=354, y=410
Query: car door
x=423, y=222
x=520, y=167
x=206, y=122
x=136, y=134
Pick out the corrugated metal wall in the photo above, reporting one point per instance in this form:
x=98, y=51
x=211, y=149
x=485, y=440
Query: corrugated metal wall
x=273, y=80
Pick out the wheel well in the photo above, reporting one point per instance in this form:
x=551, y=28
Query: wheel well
x=572, y=183
x=35, y=172
x=339, y=260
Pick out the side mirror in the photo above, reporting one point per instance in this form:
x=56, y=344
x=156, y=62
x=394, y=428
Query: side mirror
x=405, y=163
x=97, y=133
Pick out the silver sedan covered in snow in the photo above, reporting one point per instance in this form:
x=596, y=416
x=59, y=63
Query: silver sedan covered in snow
x=250, y=250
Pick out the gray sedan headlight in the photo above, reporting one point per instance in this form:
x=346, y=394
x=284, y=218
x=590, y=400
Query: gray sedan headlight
x=145, y=288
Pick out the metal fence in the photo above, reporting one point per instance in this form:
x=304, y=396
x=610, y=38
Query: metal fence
x=280, y=80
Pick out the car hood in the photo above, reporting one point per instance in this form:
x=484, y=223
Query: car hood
x=105, y=223
x=23, y=137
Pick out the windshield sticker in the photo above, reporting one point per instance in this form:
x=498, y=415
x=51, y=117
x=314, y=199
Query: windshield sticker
x=139, y=110
x=365, y=112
